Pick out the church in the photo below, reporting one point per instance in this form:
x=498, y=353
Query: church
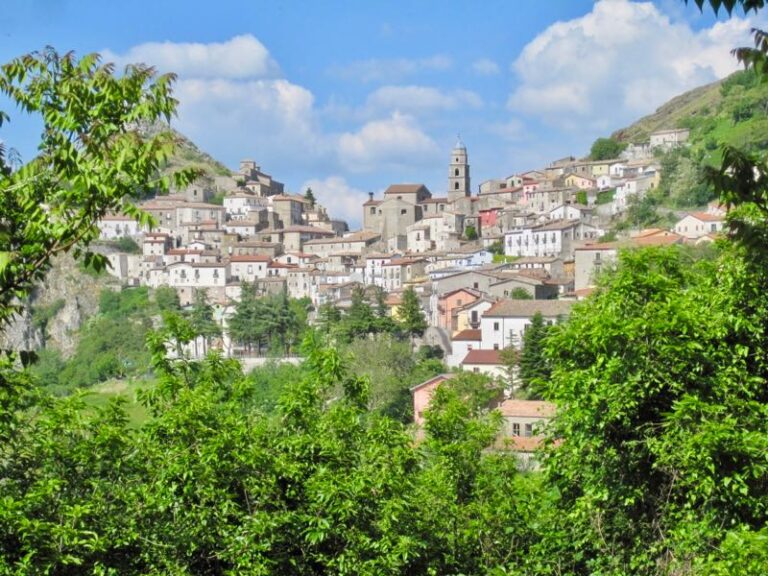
x=406, y=208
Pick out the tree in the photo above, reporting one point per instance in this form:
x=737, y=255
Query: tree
x=242, y=326
x=310, y=197
x=93, y=157
x=659, y=382
x=520, y=293
x=606, y=149
x=470, y=233
x=202, y=321
x=411, y=316
x=167, y=299
x=534, y=365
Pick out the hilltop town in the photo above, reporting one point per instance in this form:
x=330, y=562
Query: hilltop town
x=483, y=263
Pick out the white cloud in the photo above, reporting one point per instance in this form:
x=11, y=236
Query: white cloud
x=485, y=67
x=339, y=198
x=512, y=130
x=420, y=99
x=239, y=57
x=392, y=70
x=272, y=118
x=233, y=105
x=621, y=60
x=390, y=143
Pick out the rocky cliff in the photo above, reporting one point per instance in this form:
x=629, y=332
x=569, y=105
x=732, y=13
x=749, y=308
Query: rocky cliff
x=57, y=309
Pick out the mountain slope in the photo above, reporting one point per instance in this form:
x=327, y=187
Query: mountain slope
x=672, y=114
x=731, y=111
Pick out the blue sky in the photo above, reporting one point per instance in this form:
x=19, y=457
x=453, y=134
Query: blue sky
x=349, y=97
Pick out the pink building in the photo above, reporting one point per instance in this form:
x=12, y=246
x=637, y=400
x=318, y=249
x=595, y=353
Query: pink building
x=489, y=218
x=450, y=301
x=422, y=395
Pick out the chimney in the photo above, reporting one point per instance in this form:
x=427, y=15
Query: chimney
x=370, y=196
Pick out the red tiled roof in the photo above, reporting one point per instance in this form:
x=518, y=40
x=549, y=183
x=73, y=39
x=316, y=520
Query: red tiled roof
x=404, y=188
x=527, y=308
x=490, y=357
x=519, y=443
x=437, y=379
x=706, y=216
x=250, y=258
x=527, y=408
x=468, y=335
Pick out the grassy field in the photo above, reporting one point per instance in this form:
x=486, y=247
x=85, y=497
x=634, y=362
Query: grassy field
x=101, y=394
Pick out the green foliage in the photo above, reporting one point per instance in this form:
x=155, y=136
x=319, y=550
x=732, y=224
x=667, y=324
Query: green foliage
x=109, y=347
x=605, y=196
x=392, y=369
x=270, y=382
x=273, y=322
x=118, y=304
x=535, y=369
x=660, y=384
x=167, y=299
x=411, y=317
x=520, y=294
x=202, y=322
x=92, y=159
x=360, y=320
x=212, y=486
x=581, y=197
x=470, y=233
x=41, y=315
x=497, y=248
x=126, y=244
x=310, y=197
x=217, y=199
x=606, y=149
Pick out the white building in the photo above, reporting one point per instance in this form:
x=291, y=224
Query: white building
x=113, y=226
x=697, y=224
x=555, y=238
x=248, y=268
x=504, y=323
x=239, y=206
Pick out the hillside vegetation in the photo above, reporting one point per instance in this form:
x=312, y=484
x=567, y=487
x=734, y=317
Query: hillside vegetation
x=732, y=111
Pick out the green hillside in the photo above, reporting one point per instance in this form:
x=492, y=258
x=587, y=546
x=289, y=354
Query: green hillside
x=695, y=103
x=188, y=155
x=731, y=111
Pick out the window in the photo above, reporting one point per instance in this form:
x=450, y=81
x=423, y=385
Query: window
x=458, y=302
x=456, y=172
x=495, y=326
x=456, y=186
x=373, y=210
x=403, y=211
x=529, y=430
x=475, y=369
x=515, y=429
x=476, y=285
x=474, y=316
x=495, y=346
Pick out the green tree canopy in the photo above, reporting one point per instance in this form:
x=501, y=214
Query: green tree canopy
x=93, y=157
x=411, y=316
x=606, y=149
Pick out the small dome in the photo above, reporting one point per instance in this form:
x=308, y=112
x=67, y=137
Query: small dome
x=459, y=145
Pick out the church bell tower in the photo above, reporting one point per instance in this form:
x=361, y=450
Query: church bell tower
x=458, y=173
